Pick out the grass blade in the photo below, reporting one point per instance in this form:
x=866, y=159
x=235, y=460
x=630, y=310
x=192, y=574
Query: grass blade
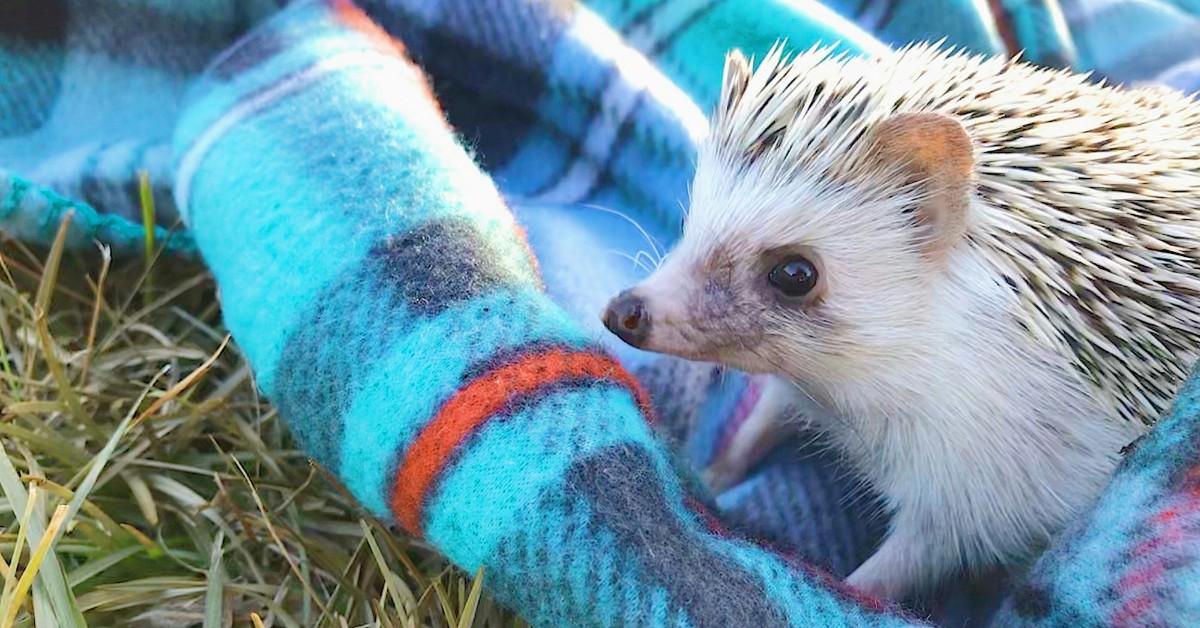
x=52, y=447
x=146, y=194
x=392, y=582
x=98, y=305
x=184, y=383
x=94, y=567
x=53, y=263
x=66, y=610
x=467, y=618
x=444, y=599
x=34, y=567
x=42, y=323
x=10, y=578
x=214, y=596
x=262, y=509
x=141, y=495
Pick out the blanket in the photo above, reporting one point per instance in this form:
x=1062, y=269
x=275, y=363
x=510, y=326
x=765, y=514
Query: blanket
x=414, y=214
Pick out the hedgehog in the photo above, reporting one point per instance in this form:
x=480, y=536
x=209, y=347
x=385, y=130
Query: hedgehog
x=978, y=280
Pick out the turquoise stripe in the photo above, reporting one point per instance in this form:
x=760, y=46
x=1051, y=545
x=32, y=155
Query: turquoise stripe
x=306, y=35
x=1124, y=506
x=32, y=213
x=694, y=57
x=265, y=203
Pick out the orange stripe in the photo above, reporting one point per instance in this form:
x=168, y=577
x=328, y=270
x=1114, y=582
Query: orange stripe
x=523, y=238
x=352, y=16
x=478, y=401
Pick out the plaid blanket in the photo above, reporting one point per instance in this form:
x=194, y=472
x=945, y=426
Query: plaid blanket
x=350, y=230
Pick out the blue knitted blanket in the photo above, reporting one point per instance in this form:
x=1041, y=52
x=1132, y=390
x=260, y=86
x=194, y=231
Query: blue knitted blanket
x=414, y=215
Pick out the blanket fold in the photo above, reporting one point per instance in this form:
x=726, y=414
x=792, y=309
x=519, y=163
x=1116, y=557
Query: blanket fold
x=414, y=210
x=521, y=446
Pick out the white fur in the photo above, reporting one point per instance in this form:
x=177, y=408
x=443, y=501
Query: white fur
x=985, y=394
x=982, y=443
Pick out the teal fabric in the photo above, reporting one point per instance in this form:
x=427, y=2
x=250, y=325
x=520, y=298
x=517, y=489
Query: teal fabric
x=960, y=23
x=688, y=40
x=368, y=234
x=561, y=491
x=33, y=212
x=1133, y=560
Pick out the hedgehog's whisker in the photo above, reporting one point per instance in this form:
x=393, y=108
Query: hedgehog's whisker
x=654, y=246
x=654, y=263
x=636, y=261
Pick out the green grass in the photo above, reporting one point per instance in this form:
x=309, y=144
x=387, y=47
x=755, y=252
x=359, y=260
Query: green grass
x=145, y=483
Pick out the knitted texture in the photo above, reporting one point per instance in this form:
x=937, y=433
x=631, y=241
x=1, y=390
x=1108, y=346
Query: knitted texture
x=379, y=286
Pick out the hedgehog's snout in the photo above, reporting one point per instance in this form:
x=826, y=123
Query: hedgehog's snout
x=627, y=317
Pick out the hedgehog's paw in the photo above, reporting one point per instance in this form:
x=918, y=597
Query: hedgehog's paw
x=875, y=581
x=764, y=429
x=724, y=473
x=909, y=561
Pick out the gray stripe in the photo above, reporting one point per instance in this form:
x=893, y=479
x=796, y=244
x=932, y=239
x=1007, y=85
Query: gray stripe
x=32, y=33
x=354, y=321
x=147, y=36
x=622, y=486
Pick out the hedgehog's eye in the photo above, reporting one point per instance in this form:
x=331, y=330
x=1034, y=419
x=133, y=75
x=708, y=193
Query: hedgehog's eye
x=794, y=277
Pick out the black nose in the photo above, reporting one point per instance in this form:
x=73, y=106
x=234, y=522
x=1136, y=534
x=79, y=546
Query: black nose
x=626, y=317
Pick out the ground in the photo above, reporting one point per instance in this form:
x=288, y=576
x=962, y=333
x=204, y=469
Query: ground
x=173, y=493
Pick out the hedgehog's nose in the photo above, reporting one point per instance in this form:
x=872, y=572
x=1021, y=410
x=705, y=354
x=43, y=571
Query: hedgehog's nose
x=626, y=317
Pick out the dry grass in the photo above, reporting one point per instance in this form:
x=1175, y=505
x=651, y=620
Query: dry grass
x=145, y=483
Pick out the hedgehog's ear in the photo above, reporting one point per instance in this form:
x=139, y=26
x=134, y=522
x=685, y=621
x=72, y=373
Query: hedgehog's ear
x=735, y=80
x=934, y=151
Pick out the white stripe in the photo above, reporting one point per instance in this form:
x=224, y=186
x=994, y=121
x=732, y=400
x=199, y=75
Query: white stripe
x=634, y=75
x=62, y=171
x=195, y=156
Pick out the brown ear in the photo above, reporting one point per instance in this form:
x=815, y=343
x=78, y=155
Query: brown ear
x=935, y=151
x=735, y=79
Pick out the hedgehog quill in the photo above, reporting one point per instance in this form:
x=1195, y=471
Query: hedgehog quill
x=977, y=279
